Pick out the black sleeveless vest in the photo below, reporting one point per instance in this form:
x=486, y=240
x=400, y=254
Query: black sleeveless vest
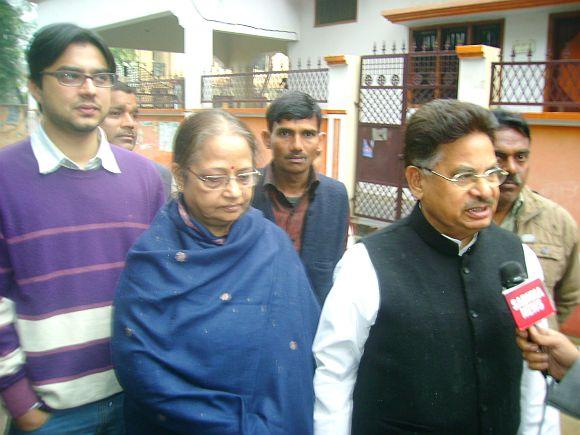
x=441, y=357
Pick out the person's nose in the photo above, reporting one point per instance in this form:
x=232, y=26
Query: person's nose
x=509, y=165
x=483, y=188
x=88, y=87
x=233, y=189
x=128, y=121
x=296, y=144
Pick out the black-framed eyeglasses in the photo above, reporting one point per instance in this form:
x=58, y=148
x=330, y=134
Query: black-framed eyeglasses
x=220, y=182
x=76, y=78
x=466, y=180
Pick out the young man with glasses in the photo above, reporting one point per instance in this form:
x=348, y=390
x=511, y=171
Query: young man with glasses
x=70, y=208
x=311, y=208
x=541, y=224
x=415, y=335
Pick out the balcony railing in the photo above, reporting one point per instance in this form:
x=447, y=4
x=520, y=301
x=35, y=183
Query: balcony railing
x=160, y=93
x=259, y=88
x=551, y=84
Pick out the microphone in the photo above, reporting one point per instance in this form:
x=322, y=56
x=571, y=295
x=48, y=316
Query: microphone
x=512, y=273
x=527, y=299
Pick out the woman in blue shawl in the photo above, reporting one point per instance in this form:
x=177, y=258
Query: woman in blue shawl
x=214, y=316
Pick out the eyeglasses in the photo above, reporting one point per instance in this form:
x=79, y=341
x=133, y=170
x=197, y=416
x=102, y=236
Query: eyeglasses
x=466, y=180
x=75, y=78
x=220, y=182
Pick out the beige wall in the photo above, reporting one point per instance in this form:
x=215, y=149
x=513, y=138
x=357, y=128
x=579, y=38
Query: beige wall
x=555, y=164
x=253, y=118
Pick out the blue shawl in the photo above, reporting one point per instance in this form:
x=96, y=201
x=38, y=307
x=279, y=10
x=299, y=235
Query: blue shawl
x=213, y=335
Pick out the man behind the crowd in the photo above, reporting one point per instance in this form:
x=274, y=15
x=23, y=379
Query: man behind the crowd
x=311, y=208
x=415, y=335
x=121, y=125
x=541, y=224
x=71, y=206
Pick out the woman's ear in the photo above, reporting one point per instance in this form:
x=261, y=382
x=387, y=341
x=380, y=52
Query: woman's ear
x=178, y=176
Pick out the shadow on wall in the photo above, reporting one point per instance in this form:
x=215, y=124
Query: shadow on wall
x=12, y=124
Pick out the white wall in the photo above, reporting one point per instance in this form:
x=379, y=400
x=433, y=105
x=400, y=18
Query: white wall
x=350, y=38
x=87, y=13
x=271, y=18
x=521, y=26
x=526, y=27
x=275, y=19
x=240, y=50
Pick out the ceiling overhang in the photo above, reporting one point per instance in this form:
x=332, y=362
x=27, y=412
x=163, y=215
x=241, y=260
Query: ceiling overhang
x=464, y=7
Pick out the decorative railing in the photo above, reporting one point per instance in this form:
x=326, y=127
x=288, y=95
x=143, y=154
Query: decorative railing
x=160, y=93
x=551, y=84
x=258, y=88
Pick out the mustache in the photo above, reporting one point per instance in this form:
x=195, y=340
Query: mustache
x=513, y=178
x=126, y=132
x=480, y=202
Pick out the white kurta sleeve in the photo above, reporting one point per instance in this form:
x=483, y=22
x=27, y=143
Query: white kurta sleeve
x=347, y=316
x=534, y=412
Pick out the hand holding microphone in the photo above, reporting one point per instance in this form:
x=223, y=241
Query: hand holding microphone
x=545, y=349
x=527, y=300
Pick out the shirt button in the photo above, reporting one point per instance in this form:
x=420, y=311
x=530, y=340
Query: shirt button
x=293, y=345
x=180, y=256
x=466, y=270
x=128, y=332
x=473, y=314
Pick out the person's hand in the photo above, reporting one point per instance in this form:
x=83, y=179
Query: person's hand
x=546, y=349
x=32, y=420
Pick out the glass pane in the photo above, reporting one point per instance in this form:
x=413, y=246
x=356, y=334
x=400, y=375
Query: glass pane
x=451, y=37
x=487, y=34
x=424, y=40
x=333, y=11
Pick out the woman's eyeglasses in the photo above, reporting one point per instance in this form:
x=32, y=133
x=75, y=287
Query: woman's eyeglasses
x=220, y=182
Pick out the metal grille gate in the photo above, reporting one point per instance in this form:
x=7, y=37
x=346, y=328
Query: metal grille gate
x=391, y=86
x=380, y=189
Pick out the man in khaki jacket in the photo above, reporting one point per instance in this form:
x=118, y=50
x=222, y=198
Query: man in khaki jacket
x=542, y=224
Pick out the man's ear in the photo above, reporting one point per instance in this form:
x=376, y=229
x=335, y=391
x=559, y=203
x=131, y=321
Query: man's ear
x=266, y=136
x=415, y=179
x=35, y=92
x=321, y=142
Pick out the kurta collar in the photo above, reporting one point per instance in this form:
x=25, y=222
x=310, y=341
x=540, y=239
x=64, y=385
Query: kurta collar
x=440, y=242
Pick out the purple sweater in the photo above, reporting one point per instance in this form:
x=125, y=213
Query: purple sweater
x=63, y=241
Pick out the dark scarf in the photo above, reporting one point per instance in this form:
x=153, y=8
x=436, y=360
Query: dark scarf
x=215, y=333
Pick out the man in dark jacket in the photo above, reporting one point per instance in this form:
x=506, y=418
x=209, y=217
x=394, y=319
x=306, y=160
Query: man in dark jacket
x=311, y=208
x=415, y=335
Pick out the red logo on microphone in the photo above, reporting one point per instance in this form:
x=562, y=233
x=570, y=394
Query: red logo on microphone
x=529, y=302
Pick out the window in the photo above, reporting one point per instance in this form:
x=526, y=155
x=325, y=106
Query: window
x=158, y=69
x=449, y=36
x=335, y=11
x=435, y=75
